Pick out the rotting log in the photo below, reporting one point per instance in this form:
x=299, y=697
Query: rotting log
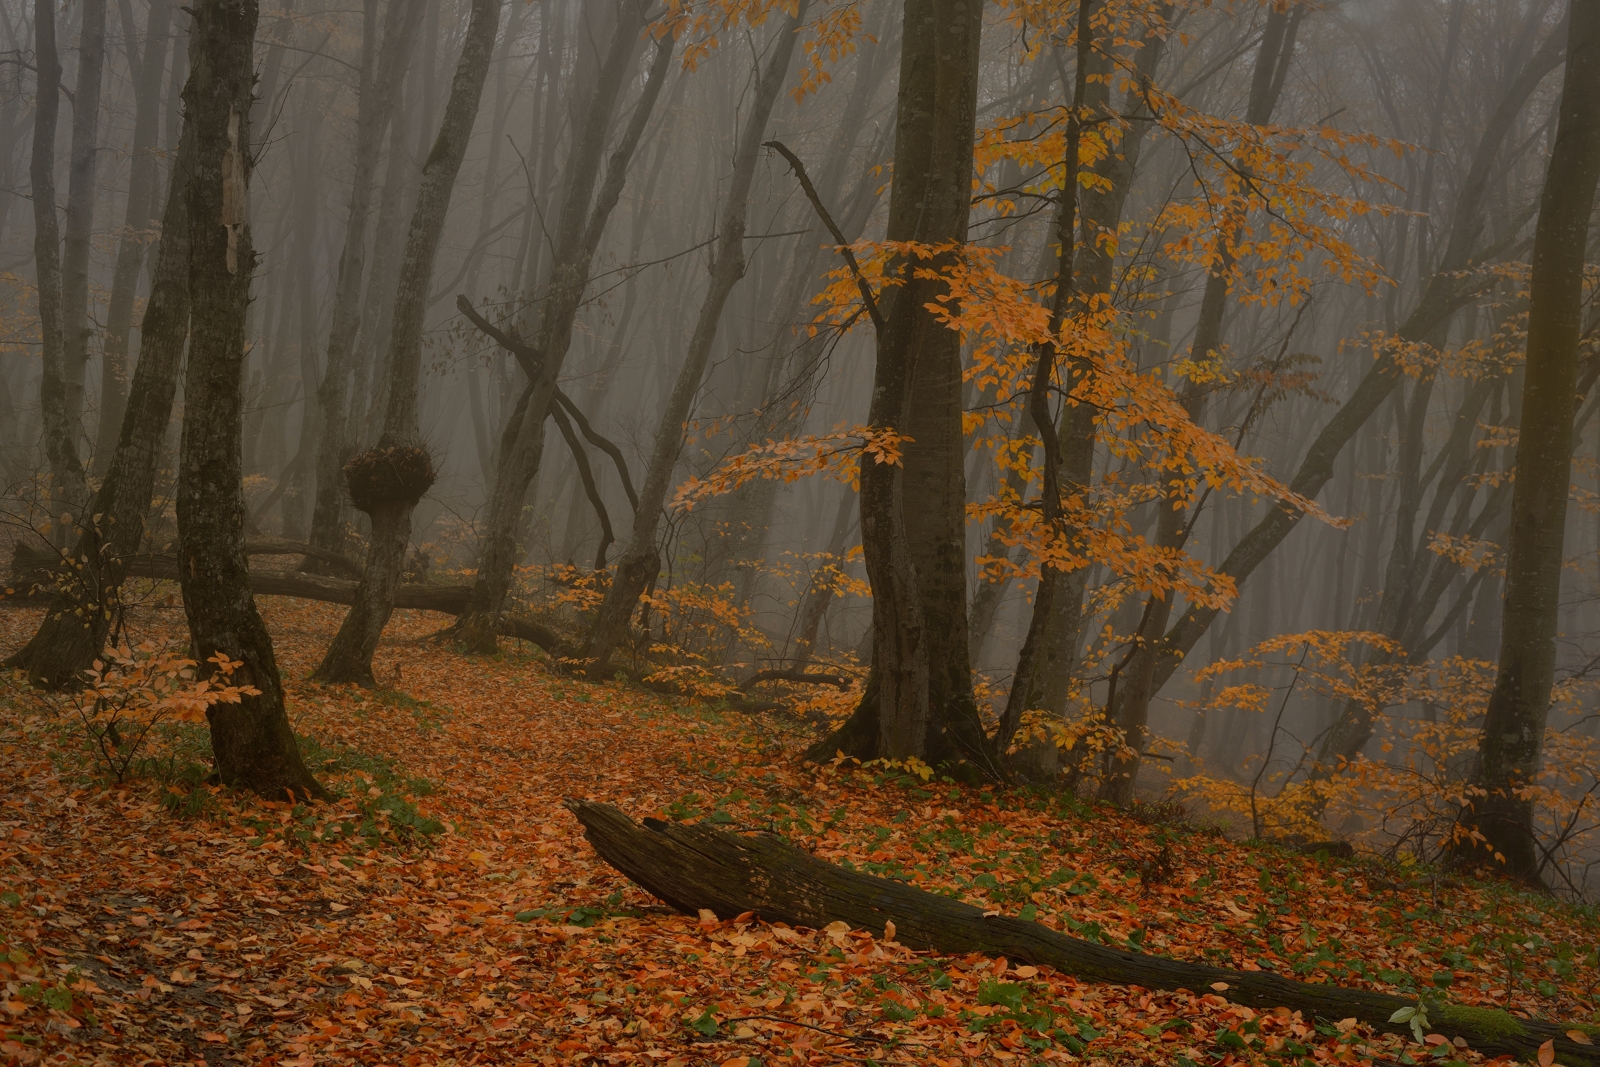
x=691, y=867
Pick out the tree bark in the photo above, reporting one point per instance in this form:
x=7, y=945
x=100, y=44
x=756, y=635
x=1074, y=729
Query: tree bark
x=380, y=84
x=918, y=701
x=252, y=742
x=578, y=233
x=691, y=867
x=349, y=657
x=140, y=213
x=74, y=630
x=76, y=325
x=61, y=444
x=1510, y=746
x=640, y=562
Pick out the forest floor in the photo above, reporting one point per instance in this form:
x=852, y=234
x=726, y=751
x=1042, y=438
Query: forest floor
x=152, y=923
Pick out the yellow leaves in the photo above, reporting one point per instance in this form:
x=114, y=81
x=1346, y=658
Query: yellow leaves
x=830, y=37
x=1470, y=553
x=836, y=454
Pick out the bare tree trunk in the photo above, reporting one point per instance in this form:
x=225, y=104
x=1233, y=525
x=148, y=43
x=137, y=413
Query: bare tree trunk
x=814, y=605
x=60, y=439
x=387, y=481
x=380, y=84
x=252, y=742
x=1510, y=746
x=919, y=697
x=577, y=236
x=74, y=631
x=304, y=212
x=76, y=325
x=141, y=211
x=641, y=562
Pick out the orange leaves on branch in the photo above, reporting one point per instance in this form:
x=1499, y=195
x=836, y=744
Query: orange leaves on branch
x=134, y=689
x=835, y=454
x=831, y=36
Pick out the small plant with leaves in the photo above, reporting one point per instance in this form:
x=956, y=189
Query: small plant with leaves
x=132, y=690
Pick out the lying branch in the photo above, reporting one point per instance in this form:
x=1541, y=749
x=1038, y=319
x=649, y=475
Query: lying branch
x=34, y=569
x=692, y=867
x=797, y=675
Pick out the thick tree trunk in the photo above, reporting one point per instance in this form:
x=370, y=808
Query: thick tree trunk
x=67, y=490
x=578, y=233
x=1510, y=746
x=76, y=323
x=918, y=701
x=141, y=211
x=640, y=562
x=380, y=84
x=253, y=744
x=349, y=657
x=691, y=867
x=74, y=630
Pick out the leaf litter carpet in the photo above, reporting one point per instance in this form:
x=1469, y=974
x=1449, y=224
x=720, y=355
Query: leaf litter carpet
x=239, y=931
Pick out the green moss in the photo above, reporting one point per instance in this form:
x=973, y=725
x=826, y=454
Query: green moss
x=1490, y=1023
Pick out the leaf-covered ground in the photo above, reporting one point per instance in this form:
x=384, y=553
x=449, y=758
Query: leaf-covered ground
x=448, y=910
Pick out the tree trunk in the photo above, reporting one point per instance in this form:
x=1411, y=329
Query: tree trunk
x=380, y=85
x=640, y=562
x=76, y=324
x=814, y=605
x=918, y=700
x=1510, y=745
x=60, y=438
x=578, y=233
x=74, y=630
x=691, y=867
x=349, y=657
x=141, y=210
x=253, y=744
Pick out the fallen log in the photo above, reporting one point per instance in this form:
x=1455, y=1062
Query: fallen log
x=691, y=867
x=33, y=571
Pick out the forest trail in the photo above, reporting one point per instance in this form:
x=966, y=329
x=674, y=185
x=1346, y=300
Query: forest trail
x=134, y=934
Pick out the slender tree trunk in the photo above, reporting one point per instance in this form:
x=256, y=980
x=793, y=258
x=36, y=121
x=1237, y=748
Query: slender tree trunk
x=140, y=213
x=252, y=742
x=349, y=657
x=1510, y=746
x=74, y=631
x=814, y=605
x=641, y=562
x=577, y=237
x=380, y=85
x=60, y=439
x=919, y=696
x=1131, y=709
x=76, y=324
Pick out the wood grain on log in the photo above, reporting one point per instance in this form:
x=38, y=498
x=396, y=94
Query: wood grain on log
x=692, y=867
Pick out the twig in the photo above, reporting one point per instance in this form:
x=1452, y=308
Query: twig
x=833, y=228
